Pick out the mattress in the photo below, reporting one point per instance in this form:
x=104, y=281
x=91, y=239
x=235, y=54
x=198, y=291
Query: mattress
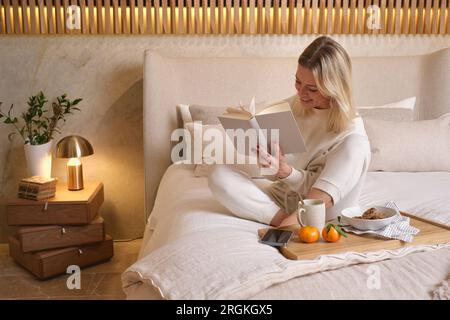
x=414, y=276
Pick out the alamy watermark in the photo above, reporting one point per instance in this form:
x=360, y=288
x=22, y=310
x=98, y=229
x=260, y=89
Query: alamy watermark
x=211, y=145
x=74, y=280
x=373, y=281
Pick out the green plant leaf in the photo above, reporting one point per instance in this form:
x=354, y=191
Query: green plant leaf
x=340, y=231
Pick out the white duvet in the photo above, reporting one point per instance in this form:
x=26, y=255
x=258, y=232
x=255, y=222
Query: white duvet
x=198, y=250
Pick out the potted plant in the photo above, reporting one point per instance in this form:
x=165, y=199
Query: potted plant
x=37, y=126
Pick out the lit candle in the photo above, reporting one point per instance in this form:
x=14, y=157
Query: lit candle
x=74, y=174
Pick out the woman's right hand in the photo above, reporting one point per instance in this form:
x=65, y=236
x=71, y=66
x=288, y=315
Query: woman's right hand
x=277, y=160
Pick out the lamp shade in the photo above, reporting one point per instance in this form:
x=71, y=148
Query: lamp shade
x=73, y=147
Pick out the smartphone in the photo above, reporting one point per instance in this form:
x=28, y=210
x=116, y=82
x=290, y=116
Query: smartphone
x=276, y=238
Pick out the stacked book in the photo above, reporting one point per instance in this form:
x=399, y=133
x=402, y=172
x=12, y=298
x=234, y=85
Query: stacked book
x=37, y=188
x=59, y=232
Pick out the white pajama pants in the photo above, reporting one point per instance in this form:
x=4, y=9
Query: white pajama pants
x=245, y=197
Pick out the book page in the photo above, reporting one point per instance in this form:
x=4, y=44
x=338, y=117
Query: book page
x=281, y=107
x=290, y=137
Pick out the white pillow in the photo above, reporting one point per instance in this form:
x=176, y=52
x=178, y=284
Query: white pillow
x=396, y=111
x=409, y=146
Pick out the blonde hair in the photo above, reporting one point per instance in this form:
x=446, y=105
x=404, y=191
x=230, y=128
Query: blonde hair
x=331, y=67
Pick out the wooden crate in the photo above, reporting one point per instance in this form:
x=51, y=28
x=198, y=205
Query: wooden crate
x=66, y=208
x=46, y=264
x=51, y=237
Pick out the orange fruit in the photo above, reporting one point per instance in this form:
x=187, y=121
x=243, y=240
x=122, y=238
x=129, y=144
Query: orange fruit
x=332, y=233
x=308, y=234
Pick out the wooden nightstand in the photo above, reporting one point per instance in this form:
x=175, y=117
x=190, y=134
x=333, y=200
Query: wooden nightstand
x=61, y=231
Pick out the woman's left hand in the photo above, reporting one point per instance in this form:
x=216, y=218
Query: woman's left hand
x=276, y=160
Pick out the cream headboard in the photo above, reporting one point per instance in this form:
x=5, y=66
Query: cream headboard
x=219, y=72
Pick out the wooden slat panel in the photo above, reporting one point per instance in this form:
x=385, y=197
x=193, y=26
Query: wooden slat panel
x=108, y=16
x=260, y=16
x=428, y=16
x=252, y=17
x=99, y=16
x=65, y=4
x=308, y=17
x=435, y=17
x=197, y=16
x=59, y=17
x=442, y=18
x=9, y=26
x=132, y=16
x=330, y=22
x=2, y=19
x=398, y=26
x=190, y=17
x=420, y=17
x=51, y=27
x=84, y=18
x=291, y=18
x=181, y=20
x=16, y=17
x=42, y=21
x=337, y=18
x=360, y=24
x=214, y=18
x=158, y=22
x=322, y=17
x=448, y=17
x=205, y=22
x=383, y=16
x=173, y=16
x=166, y=17
x=33, y=17
x=315, y=27
x=405, y=17
x=284, y=21
x=116, y=16
x=345, y=17
x=352, y=25
x=267, y=24
x=237, y=19
x=222, y=17
x=276, y=18
x=413, y=16
x=91, y=17
x=390, y=17
x=243, y=19
x=299, y=18
x=25, y=19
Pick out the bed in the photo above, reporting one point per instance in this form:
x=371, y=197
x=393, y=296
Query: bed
x=193, y=248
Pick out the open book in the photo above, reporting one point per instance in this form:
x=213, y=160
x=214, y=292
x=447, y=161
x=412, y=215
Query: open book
x=278, y=116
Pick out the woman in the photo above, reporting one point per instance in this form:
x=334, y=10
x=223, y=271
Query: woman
x=338, y=151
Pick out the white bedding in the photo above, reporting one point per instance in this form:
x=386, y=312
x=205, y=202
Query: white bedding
x=187, y=218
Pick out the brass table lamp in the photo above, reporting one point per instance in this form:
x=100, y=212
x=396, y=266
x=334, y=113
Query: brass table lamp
x=74, y=147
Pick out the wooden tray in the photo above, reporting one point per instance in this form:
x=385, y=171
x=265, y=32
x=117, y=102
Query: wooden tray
x=430, y=233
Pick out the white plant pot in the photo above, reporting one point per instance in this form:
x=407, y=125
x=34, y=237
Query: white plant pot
x=39, y=159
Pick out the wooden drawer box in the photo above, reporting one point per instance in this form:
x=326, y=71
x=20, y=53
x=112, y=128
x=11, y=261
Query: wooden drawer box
x=66, y=208
x=52, y=237
x=46, y=264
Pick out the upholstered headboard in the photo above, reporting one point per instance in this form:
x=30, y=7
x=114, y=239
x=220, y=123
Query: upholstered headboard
x=221, y=72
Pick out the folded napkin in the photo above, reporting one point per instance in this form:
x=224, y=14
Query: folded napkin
x=399, y=229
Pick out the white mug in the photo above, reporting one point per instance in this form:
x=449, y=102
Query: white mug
x=312, y=213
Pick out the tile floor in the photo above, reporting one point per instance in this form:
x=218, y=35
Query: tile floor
x=101, y=281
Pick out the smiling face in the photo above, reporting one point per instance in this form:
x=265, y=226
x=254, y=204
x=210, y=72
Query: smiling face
x=307, y=90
